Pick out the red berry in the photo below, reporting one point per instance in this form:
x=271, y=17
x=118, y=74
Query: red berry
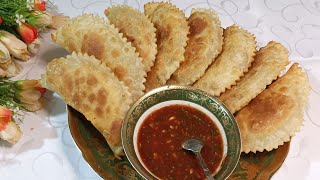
x=40, y=6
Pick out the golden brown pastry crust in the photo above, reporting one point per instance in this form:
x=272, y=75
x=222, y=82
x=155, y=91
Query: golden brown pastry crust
x=172, y=30
x=91, y=88
x=204, y=45
x=92, y=35
x=267, y=66
x=138, y=30
x=238, y=51
x=276, y=114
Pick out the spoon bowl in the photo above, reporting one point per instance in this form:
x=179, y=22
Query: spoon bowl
x=193, y=145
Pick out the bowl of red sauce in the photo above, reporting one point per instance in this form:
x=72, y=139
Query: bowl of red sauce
x=159, y=122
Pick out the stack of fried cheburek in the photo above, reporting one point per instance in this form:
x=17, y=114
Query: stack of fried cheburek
x=116, y=61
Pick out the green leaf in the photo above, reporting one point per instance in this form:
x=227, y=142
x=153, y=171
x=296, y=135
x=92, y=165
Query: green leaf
x=9, y=9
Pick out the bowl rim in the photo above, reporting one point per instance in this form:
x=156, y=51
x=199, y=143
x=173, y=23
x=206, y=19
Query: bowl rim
x=168, y=88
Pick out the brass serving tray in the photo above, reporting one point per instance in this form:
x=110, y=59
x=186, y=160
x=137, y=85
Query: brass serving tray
x=95, y=150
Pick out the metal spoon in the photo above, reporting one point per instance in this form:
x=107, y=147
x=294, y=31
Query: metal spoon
x=195, y=146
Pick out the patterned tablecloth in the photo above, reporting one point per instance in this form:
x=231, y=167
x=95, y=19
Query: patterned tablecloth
x=47, y=150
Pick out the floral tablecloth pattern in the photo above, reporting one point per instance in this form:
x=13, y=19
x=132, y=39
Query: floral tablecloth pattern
x=47, y=150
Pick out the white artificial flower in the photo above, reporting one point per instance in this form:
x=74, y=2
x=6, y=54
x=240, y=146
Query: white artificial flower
x=20, y=19
x=30, y=7
x=30, y=4
x=16, y=109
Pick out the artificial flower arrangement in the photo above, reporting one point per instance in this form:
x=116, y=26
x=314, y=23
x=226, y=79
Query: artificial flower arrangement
x=17, y=97
x=20, y=24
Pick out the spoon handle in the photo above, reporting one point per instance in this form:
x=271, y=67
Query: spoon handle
x=204, y=166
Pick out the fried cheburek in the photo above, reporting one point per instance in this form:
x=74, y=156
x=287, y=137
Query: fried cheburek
x=91, y=88
x=238, y=51
x=92, y=35
x=204, y=45
x=267, y=66
x=138, y=30
x=172, y=30
x=276, y=114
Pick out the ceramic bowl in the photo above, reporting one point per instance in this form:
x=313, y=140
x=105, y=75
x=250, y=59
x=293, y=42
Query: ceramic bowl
x=198, y=99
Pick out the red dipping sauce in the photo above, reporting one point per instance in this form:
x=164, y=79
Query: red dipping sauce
x=162, y=133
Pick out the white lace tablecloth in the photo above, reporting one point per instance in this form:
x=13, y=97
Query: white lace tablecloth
x=47, y=151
